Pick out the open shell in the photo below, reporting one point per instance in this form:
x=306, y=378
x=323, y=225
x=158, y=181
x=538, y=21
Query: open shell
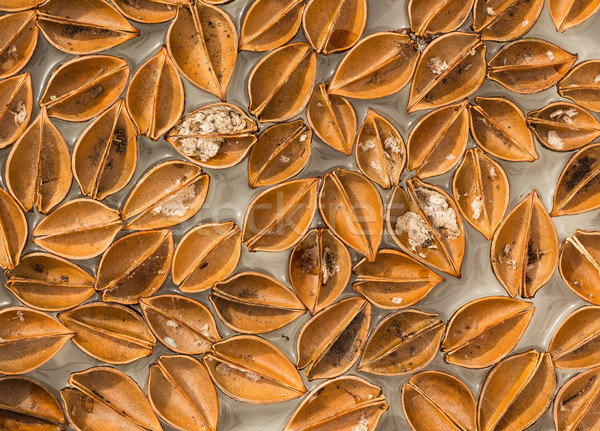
x=576, y=342
x=578, y=401
x=582, y=85
x=149, y=11
x=13, y=231
x=16, y=102
x=504, y=20
x=18, y=40
x=579, y=264
x=430, y=18
x=567, y=14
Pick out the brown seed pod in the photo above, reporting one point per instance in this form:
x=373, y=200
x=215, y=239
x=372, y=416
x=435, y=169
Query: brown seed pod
x=435, y=400
x=567, y=14
x=102, y=398
x=281, y=83
x=78, y=229
x=205, y=255
x=149, y=11
x=279, y=216
x=438, y=141
x=582, y=85
x=517, y=391
x=430, y=18
x=379, y=65
x=484, y=331
x=331, y=341
x=343, y=404
x=19, y=5
x=577, y=403
x=253, y=303
x=563, y=126
x=27, y=405
x=394, y=280
x=481, y=191
x=13, y=231
x=182, y=394
x=403, y=342
x=38, y=168
x=156, y=85
x=280, y=153
x=135, y=266
x=379, y=152
x=579, y=264
x=215, y=136
x=425, y=223
x=576, y=342
x=332, y=26
x=110, y=333
x=182, y=324
x=28, y=339
x=202, y=41
x=49, y=283
x=500, y=128
x=18, y=40
x=83, y=27
x=105, y=155
x=352, y=208
x=16, y=103
x=269, y=24
x=504, y=20
x=332, y=118
x=248, y=368
x=577, y=188
x=319, y=269
x=529, y=65
x=169, y=193
x=450, y=69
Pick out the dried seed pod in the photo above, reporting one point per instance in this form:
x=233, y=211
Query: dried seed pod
x=504, y=20
x=135, y=266
x=110, y=333
x=269, y=24
x=102, y=398
x=525, y=248
x=484, y=331
x=578, y=190
x=280, y=153
x=215, y=136
x=49, y=283
x=500, y=128
x=38, y=168
x=182, y=394
x=13, y=231
x=202, y=41
x=403, y=342
x=180, y=323
x=570, y=13
x=450, y=69
x=105, y=155
x=340, y=404
x=352, y=208
x=19, y=5
x=83, y=87
x=380, y=153
x=18, y=40
x=517, y=391
x=205, y=255
x=426, y=225
x=394, y=280
x=157, y=85
x=331, y=341
x=319, y=269
x=430, y=18
x=250, y=369
x=27, y=405
x=563, y=126
x=332, y=26
x=281, y=83
x=481, y=191
x=440, y=401
x=279, y=216
x=379, y=65
x=582, y=85
x=576, y=342
x=28, y=339
x=83, y=27
x=252, y=303
x=149, y=11
x=438, y=141
x=16, y=103
x=332, y=118
x=577, y=403
x=78, y=229
x=529, y=65
x=579, y=264
x=169, y=193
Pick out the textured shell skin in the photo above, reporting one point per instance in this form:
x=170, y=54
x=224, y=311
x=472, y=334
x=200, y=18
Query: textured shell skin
x=431, y=18
x=13, y=231
x=18, y=41
x=16, y=98
x=149, y=11
x=504, y=20
x=576, y=342
x=19, y=5
x=567, y=14
x=577, y=402
x=579, y=264
x=580, y=85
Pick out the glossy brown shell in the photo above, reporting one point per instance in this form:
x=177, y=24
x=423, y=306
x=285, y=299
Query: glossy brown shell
x=576, y=343
x=578, y=401
x=579, y=264
x=16, y=100
x=149, y=11
x=567, y=14
x=504, y=20
x=581, y=86
x=13, y=231
x=18, y=40
x=430, y=18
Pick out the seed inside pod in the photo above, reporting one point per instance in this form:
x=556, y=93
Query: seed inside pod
x=18, y=40
x=578, y=401
x=579, y=264
x=582, y=85
x=504, y=20
x=576, y=342
x=16, y=102
x=430, y=18
x=13, y=231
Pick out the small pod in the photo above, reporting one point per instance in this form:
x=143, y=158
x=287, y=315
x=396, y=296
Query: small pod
x=149, y=11
x=576, y=342
x=504, y=20
x=13, y=231
x=567, y=14
x=579, y=264
x=16, y=103
x=18, y=40
x=582, y=85
x=577, y=402
x=438, y=17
